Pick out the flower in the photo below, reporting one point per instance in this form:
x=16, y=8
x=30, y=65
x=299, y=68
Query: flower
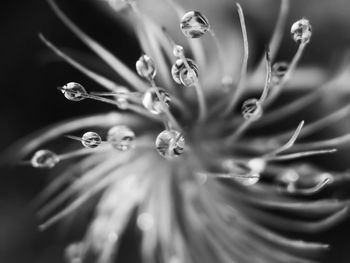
x=201, y=180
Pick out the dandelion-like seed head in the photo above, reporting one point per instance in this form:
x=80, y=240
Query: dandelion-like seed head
x=189, y=168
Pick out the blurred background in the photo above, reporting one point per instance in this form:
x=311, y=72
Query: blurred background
x=30, y=73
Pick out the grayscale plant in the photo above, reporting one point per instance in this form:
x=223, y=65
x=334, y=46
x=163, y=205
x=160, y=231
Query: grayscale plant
x=185, y=161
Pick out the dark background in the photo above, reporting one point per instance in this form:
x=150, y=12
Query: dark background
x=29, y=75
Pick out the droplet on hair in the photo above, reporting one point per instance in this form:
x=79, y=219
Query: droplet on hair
x=251, y=109
x=44, y=159
x=279, y=69
x=145, y=221
x=74, y=252
x=146, y=68
x=120, y=137
x=170, y=144
x=194, y=24
x=121, y=100
x=178, y=51
x=249, y=179
x=182, y=75
x=74, y=91
x=301, y=31
x=151, y=100
x=91, y=140
x=119, y=5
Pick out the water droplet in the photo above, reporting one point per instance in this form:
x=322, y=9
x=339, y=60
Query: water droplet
x=91, y=140
x=301, y=31
x=170, y=144
x=74, y=253
x=44, y=159
x=251, y=109
x=146, y=68
x=119, y=5
x=257, y=165
x=74, y=91
x=121, y=137
x=290, y=176
x=194, y=24
x=151, y=100
x=181, y=75
x=249, y=179
x=145, y=221
x=121, y=99
x=279, y=69
x=178, y=51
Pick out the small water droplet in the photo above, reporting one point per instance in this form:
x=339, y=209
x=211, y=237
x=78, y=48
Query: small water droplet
x=251, y=109
x=145, y=221
x=194, y=24
x=170, y=144
x=44, y=159
x=249, y=179
x=181, y=75
x=178, y=51
x=119, y=5
x=121, y=100
x=121, y=137
x=146, y=68
x=91, y=140
x=301, y=31
x=151, y=100
x=74, y=252
x=279, y=70
x=74, y=91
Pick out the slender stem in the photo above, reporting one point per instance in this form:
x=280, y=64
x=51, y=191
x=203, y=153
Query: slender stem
x=243, y=76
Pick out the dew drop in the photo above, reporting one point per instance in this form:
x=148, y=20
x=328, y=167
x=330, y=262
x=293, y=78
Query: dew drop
x=178, y=51
x=151, y=100
x=301, y=31
x=74, y=91
x=194, y=24
x=290, y=176
x=74, y=252
x=145, y=221
x=121, y=137
x=251, y=109
x=91, y=140
x=145, y=67
x=181, y=75
x=44, y=159
x=170, y=144
x=249, y=179
x=119, y=5
x=121, y=99
x=279, y=70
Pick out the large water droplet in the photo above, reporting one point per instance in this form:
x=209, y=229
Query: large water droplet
x=251, y=109
x=121, y=137
x=170, y=144
x=151, y=100
x=44, y=159
x=146, y=68
x=91, y=140
x=74, y=252
x=74, y=91
x=181, y=75
x=301, y=31
x=194, y=24
x=279, y=70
